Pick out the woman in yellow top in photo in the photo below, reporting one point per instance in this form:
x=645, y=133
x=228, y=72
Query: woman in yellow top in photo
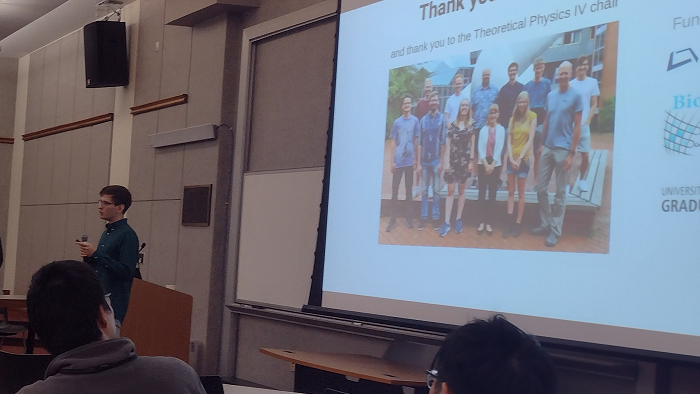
x=521, y=134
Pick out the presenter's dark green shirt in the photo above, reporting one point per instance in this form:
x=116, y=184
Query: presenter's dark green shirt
x=114, y=262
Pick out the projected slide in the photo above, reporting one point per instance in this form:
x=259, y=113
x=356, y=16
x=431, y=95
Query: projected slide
x=538, y=160
x=447, y=202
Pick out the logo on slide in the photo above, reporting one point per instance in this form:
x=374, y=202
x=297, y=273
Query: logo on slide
x=687, y=58
x=680, y=134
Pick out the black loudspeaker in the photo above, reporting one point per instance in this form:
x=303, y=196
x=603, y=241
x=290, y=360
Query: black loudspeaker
x=106, y=60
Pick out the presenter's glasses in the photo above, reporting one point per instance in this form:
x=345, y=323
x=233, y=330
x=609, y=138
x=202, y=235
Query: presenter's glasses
x=104, y=203
x=432, y=377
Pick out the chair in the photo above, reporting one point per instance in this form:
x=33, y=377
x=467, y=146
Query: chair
x=7, y=329
x=19, y=370
x=212, y=384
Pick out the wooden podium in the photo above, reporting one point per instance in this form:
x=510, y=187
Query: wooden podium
x=349, y=373
x=158, y=321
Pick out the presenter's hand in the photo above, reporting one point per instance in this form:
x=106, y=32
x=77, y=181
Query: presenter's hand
x=439, y=169
x=393, y=166
x=568, y=162
x=470, y=167
x=539, y=150
x=86, y=249
x=417, y=167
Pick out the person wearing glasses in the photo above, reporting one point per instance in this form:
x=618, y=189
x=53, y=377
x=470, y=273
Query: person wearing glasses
x=491, y=142
x=115, y=256
x=491, y=357
x=70, y=313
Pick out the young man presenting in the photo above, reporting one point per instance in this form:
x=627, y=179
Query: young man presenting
x=588, y=87
x=73, y=318
x=115, y=257
x=560, y=135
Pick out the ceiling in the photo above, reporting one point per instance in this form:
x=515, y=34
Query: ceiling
x=27, y=25
x=15, y=14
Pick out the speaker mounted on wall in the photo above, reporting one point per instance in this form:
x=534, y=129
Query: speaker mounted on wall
x=106, y=59
x=196, y=205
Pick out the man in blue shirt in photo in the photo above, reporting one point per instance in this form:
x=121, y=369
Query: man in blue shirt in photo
x=561, y=132
x=431, y=150
x=404, y=137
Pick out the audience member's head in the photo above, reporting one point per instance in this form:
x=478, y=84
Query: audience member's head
x=491, y=357
x=67, y=306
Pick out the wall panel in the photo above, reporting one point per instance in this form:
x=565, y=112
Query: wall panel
x=24, y=249
x=143, y=157
x=193, y=272
x=83, y=96
x=167, y=183
x=8, y=92
x=79, y=165
x=201, y=162
x=34, y=90
x=104, y=101
x=56, y=246
x=39, y=217
x=177, y=51
x=60, y=178
x=165, y=225
x=149, y=65
x=44, y=171
x=74, y=227
x=67, y=78
x=100, y=150
x=49, y=90
x=208, y=47
x=29, y=169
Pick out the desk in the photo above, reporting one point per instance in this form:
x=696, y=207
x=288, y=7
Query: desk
x=235, y=389
x=19, y=302
x=350, y=373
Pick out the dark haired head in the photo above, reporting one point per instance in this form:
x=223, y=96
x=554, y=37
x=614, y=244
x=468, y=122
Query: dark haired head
x=63, y=304
x=494, y=357
x=580, y=60
x=120, y=195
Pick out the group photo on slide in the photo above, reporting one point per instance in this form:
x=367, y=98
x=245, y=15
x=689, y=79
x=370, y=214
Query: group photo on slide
x=508, y=147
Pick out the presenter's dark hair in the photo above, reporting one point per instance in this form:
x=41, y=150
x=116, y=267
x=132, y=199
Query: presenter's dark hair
x=120, y=195
x=514, y=64
x=63, y=304
x=494, y=357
